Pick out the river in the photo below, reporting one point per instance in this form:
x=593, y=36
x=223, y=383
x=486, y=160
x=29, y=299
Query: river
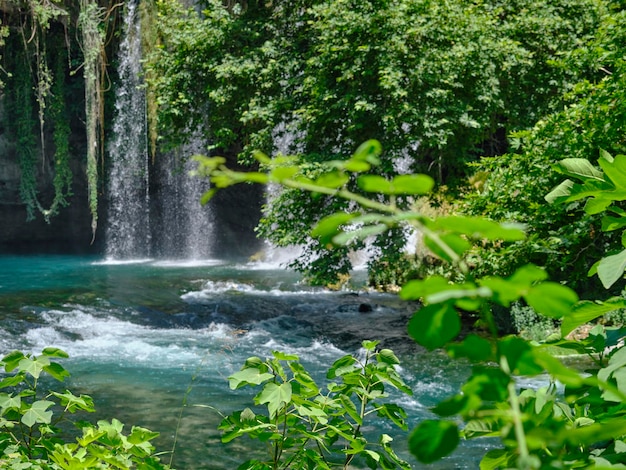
x=145, y=336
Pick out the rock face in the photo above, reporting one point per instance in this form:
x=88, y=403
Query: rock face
x=68, y=232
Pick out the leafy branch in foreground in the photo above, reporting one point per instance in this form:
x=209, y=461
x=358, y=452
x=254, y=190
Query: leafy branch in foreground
x=307, y=426
x=539, y=427
x=31, y=423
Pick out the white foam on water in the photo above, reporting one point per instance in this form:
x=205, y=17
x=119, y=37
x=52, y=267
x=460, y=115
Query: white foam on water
x=188, y=263
x=83, y=334
x=214, y=289
x=119, y=262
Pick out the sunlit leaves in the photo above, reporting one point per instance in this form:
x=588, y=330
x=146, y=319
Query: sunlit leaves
x=403, y=184
x=303, y=422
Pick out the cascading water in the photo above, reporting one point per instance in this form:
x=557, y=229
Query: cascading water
x=150, y=213
x=128, y=230
x=179, y=206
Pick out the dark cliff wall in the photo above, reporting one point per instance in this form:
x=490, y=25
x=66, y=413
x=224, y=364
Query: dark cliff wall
x=67, y=232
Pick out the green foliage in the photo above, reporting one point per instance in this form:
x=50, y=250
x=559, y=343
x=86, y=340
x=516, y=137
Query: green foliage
x=32, y=431
x=436, y=83
x=308, y=426
x=537, y=426
x=563, y=238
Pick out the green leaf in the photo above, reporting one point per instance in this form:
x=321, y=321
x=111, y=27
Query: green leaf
x=369, y=151
x=341, y=366
x=57, y=371
x=579, y=168
x=34, y=366
x=8, y=401
x=281, y=356
x=433, y=326
x=328, y=227
x=334, y=179
x=497, y=459
x=551, y=299
x=458, y=244
x=388, y=357
x=12, y=360
x=611, y=268
x=248, y=376
x=55, y=352
x=479, y=228
x=275, y=396
x=412, y=184
x=610, y=223
x=560, y=192
x=432, y=440
x=38, y=413
x=282, y=173
x=374, y=184
x=615, y=170
x=586, y=311
x=472, y=347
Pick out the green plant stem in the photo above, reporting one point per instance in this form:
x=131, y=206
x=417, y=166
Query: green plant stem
x=520, y=435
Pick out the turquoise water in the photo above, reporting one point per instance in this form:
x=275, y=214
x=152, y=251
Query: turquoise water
x=146, y=335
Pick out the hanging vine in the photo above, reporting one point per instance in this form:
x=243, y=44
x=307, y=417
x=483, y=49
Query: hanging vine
x=92, y=43
x=61, y=138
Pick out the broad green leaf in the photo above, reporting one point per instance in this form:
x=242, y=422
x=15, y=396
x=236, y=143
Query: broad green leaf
x=355, y=166
x=335, y=179
x=433, y=326
x=281, y=356
x=598, y=432
x=12, y=381
x=551, y=299
x=528, y=274
x=580, y=168
x=615, y=170
x=558, y=370
x=328, y=227
x=55, y=352
x=616, y=370
x=72, y=403
x=560, y=192
x=248, y=376
x=472, y=347
x=57, y=371
x=281, y=173
x=388, y=357
x=12, y=360
x=597, y=205
x=34, y=366
x=275, y=396
x=8, y=401
x=393, y=412
x=586, y=311
x=341, y=366
x=368, y=151
x=419, y=289
x=38, y=413
x=456, y=243
x=497, y=459
x=374, y=184
x=479, y=228
x=412, y=184
x=432, y=440
x=139, y=435
x=610, y=223
x=611, y=268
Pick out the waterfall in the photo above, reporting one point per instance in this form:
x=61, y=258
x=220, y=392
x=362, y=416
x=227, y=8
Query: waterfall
x=185, y=227
x=128, y=228
x=152, y=211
